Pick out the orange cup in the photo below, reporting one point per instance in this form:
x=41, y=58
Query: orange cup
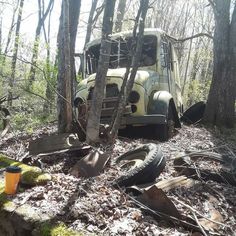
x=12, y=178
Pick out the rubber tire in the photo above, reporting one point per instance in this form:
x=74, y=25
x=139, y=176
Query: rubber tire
x=162, y=131
x=194, y=113
x=151, y=168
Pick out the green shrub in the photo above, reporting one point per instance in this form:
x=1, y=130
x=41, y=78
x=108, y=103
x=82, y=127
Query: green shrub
x=47, y=229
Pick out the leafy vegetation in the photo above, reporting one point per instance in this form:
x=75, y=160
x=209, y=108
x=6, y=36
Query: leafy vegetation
x=196, y=91
x=48, y=229
x=36, y=104
x=30, y=175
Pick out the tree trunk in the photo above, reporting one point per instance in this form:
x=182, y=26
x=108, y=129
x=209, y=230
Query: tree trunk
x=74, y=12
x=10, y=31
x=182, y=34
x=195, y=63
x=103, y=64
x=90, y=22
x=50, y=71
x=41, y=18
x=220, y=106
x=64, y=107
x=189, y=52
x=135, y=64
x=1, y=35
x=51, y=84
x=120, y=15
x=232, y=78
x=15, y=52
x=187, y=67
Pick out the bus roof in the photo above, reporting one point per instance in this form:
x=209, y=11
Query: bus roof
x=147, y=31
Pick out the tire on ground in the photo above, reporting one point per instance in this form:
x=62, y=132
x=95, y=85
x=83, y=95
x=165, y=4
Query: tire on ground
x=153, y=164
x=194, y=113
x=165, y=131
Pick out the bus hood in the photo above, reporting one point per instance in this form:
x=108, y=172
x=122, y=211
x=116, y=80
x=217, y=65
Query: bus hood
x=141, y=77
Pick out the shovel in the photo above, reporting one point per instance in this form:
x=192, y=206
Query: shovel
x=90, y=165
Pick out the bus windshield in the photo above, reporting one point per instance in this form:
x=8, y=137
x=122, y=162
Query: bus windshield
x=121, y=53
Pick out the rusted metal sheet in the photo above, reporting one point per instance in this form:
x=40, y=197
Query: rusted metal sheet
x=175, y=182
x=167, y=184
x=110, y=110
x=108, y=107
x=55, y=143
x=157, y=200
x=187, y=164
x=91, y=165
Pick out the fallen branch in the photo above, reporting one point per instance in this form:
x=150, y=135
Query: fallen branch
x=199, y=152
x=198, y=213
x=160, y=214
x=181, y=40
x=213, y=190
x=25, y=199
x=198, y=223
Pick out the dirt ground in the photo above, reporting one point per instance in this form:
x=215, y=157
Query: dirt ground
x=93, y=206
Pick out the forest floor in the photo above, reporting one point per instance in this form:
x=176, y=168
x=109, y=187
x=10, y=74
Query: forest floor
x=93, y=206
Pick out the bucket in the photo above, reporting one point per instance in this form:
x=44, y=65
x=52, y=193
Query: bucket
x=12, y=178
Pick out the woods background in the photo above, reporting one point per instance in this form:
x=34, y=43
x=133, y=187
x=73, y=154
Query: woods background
x=29, y=37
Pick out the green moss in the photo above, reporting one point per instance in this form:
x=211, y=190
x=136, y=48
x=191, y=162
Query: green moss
x=47, y=229
x=4, y=202
x=4, y=161
x=3, y=198
x=33, y=177
x=30, y=175
x=2, y=186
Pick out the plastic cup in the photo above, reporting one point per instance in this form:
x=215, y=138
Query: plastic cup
x=12, y=178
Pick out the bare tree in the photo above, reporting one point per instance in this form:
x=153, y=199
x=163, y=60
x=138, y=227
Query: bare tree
x=120, y=15
x=41, y=18
x=93, y=124
x=90, y=21
x=50, y=72
x=189, y=54
x=232, y=50
x=74, y=13
x=70, y=11
x=9, y=35
x=220, y=108
x=64, y=108
x=15, y=52
x=1, y=35
x=128, y=83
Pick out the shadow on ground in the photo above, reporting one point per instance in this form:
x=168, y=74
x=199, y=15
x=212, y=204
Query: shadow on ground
x=145, y=132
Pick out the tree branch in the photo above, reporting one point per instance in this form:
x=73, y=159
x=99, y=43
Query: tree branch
x=211, y=3
x=53, y=89
x=192, y=37
x=98, y=13
x=36, y=94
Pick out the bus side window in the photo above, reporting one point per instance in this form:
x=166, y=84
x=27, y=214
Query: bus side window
x=171, y=57
x=164, y=54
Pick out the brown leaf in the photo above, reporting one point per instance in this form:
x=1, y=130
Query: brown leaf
x=209, y=225
x=157, y=200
